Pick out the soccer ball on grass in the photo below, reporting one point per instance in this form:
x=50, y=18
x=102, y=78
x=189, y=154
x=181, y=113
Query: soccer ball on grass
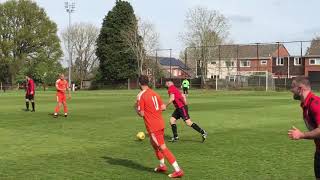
x=141, y=136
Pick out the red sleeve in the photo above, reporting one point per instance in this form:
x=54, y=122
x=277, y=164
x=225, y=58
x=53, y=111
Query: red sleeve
x=315, y=109
x=160, y=100
x=141, y=103
x=32, y=85
x=170, y=90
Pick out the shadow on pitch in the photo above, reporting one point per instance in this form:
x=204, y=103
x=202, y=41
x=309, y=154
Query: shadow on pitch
x=168, y=138
x=126, y=163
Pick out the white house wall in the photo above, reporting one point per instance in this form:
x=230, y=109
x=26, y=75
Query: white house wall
x=222, y=70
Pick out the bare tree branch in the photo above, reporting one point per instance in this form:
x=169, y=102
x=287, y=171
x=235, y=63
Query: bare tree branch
x=143, y=41
x=82, y=37
x=204, y=28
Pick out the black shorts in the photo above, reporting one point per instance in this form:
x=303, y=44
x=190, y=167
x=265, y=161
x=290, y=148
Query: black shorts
x=30, y=97
x=181, y=113
x=317, y=164
x=185, y=90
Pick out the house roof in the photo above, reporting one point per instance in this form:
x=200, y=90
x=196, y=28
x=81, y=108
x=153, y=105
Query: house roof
x=314, y=49
x=165, y=61
x=246, y=51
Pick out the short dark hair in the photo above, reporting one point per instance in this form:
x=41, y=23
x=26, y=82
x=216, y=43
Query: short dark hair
x=144, y=80
x=302, y=80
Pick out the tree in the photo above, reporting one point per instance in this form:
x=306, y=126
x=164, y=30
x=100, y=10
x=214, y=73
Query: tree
x=82, y=38
x=205, y=29
x=143, y=40
x=117, y=61
x=27, y=37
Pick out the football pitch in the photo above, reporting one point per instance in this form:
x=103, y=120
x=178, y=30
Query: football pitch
x=247, y=138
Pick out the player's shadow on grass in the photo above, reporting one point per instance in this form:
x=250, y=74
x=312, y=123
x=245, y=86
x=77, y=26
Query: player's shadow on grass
x=126, y=163
x=168, y=138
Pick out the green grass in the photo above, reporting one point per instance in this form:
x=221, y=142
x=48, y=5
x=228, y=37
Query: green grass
x=247, y=138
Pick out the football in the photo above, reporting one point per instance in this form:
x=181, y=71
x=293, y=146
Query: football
x=141, y=136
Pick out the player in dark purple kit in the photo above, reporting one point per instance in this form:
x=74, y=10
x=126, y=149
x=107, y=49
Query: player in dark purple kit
x=181, y=111
x=30, y=91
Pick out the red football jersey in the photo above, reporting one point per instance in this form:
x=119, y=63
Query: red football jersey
x=311, y=114
x=150, y=103
x=62, y=84
x=30, y=87
x=178, y=98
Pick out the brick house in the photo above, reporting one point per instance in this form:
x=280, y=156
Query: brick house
x=259, y=57
x=312, y=58
x=178, y=68
x=242, y=59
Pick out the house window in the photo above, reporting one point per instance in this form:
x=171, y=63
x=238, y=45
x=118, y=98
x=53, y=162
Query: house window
x=245, y=63
x=263, y=62
x=229, y=64
x=280, y=61
x=213, y=62
x=297, y=61
x=314, y=61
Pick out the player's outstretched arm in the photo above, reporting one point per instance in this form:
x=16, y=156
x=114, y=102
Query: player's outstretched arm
x=171, y=99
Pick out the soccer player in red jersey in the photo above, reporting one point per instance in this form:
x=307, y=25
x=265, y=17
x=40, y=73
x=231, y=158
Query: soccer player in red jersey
x=150, y=106
x=310, y=105
x=30, y=91
x=181, y=111
x=62, y=86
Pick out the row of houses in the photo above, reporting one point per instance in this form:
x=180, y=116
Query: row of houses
x=234, y=60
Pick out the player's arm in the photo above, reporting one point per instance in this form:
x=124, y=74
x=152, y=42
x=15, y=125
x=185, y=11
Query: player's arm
x=184, y=99
x=57, y=87
x=68, y=89
x=171, y=99
x=296, y=134
x=141, y=113
x=311, y=134
x=32, y=87
x=315, y=109
x=163, y=107
x=140, y=108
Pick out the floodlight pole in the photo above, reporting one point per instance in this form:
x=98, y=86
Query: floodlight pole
x=70, y=8
x=170, y=62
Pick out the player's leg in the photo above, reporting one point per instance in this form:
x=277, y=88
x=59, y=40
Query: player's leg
x=158, y=139
x=173, y=123
x=317, y=165
x=187, y=120
x=162, y=167
x=57, y=109
x=65, y=107
x=32, y=103
x=27, y=102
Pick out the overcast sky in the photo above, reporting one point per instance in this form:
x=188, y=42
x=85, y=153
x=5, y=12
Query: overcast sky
x=251, y=20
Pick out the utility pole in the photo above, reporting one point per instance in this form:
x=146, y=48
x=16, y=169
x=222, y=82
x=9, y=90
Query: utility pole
x=70, y=8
